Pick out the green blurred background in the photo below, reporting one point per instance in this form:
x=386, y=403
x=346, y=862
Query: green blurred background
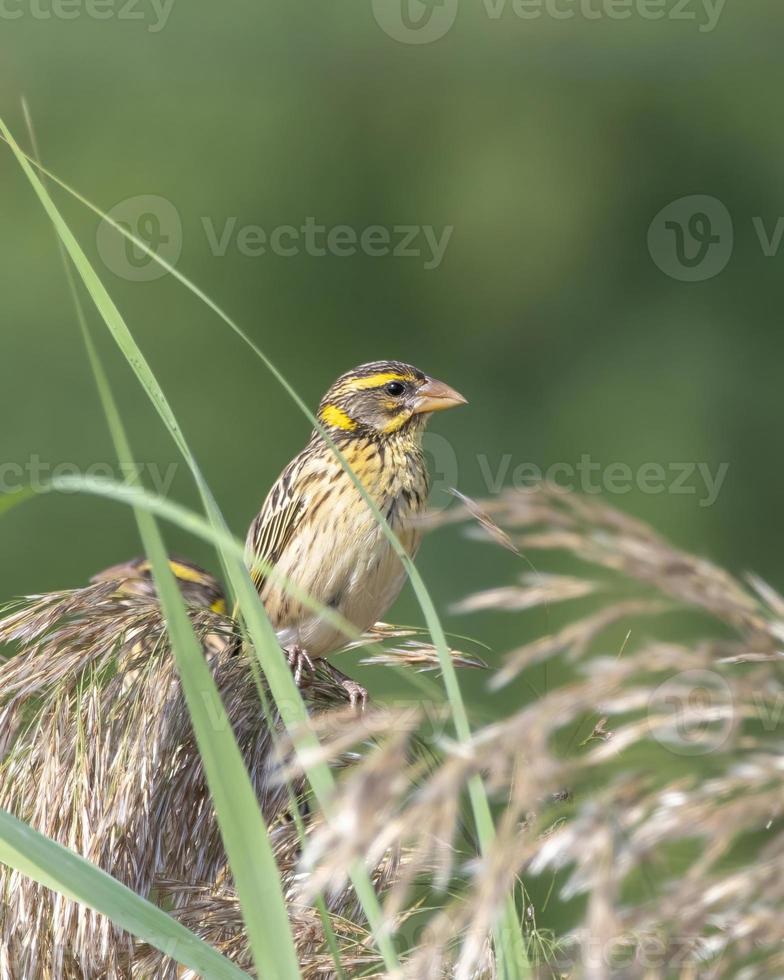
x=548, y=146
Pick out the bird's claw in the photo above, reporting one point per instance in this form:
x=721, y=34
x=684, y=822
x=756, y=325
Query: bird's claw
x=357, y=695
x=299, y=662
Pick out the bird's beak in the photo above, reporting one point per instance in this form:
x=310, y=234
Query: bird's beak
x=434, y=396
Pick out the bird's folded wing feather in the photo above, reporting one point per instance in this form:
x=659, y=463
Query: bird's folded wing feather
x=274, y=527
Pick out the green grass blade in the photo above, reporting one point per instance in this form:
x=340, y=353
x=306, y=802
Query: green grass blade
x=101, y=297
x=242, y=826
x=236, y=808
x=60, y=869
x=265, y=643
x=10, y=500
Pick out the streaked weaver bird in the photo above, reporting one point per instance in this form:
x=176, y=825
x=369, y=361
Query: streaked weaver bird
x=316, y=529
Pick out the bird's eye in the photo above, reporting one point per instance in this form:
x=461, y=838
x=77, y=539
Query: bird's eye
x=394, y=388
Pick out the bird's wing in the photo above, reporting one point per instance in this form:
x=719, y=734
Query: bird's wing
x=274, y=527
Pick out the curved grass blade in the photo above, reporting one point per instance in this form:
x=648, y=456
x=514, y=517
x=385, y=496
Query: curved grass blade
x=265, y=643
x=110, y=407
x=242, y=825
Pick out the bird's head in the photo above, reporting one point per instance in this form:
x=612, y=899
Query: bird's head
x=198, y=587
x=384, y=398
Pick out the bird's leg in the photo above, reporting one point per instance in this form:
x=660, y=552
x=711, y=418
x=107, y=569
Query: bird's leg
x=357, y=695
x=300, y=662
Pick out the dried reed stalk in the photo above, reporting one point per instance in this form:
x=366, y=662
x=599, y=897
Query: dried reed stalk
x=662, y=744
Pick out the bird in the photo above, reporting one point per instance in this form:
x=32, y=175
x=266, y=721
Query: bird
x=317, y=531
x=199, y=588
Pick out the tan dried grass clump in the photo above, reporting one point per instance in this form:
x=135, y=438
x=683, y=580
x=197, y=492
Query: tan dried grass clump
x=98, y=753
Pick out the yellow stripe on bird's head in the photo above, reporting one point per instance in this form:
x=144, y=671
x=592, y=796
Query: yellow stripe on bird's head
x=335, y=418
x=197, y=585
x=384, y=398
x=363, y=382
